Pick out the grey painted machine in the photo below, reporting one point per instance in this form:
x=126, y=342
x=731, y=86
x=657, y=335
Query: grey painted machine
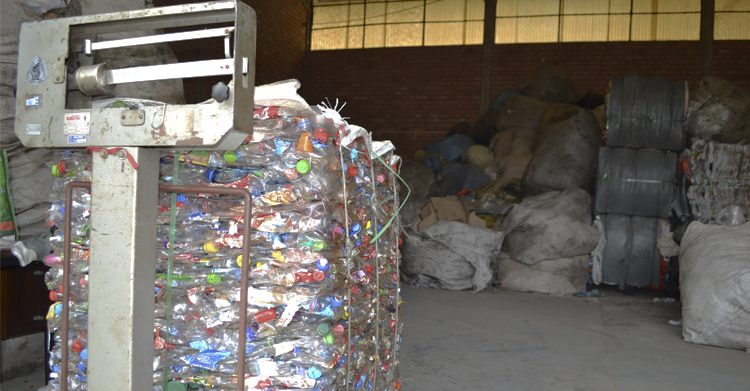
x=57, y=80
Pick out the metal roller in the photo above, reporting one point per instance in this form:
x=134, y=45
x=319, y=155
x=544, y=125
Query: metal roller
x=92, y=80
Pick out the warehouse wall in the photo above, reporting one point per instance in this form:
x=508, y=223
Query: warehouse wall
x=280, y=47
x=414, y=95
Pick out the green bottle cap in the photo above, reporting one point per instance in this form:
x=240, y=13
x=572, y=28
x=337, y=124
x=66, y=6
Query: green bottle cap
x=176, y=386
x=328, y=339
x=213, y=278
x=231, y=156
x=303, y=166
x=55, y=171
x=319, y=245
x=323, y=329
x=120, y=104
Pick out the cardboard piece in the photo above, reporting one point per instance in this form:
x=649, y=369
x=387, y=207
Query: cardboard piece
x=446, y=209
x=476, y=220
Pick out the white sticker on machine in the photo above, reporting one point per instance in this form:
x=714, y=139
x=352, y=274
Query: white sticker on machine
x=77, y=123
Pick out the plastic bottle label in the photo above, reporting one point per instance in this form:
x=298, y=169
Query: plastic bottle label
x=288, y=315
x=283, y=347
x=266, y=367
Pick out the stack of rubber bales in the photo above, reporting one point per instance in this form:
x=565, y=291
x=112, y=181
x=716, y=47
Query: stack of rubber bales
x=636, y=175
x=324, y=296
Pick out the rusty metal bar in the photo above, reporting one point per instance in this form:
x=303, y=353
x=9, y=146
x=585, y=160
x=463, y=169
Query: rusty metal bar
x=167, y=188
x=245, y=262
x=66, y=279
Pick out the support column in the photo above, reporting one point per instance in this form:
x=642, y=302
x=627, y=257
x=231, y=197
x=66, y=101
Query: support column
x=707, y=37
x=122, y=270
x=487, y=49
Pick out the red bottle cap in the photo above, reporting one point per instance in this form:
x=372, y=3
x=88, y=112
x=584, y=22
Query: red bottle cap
x=53, y=295
x=318, y=275
x=380, y=178
x=321, y=135
x=352, y=170
x=305, y=276
x=290, y=173
x=76, y=347
x=338, y=330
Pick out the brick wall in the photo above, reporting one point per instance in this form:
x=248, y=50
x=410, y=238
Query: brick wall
x=414, y=95
x=280, y=50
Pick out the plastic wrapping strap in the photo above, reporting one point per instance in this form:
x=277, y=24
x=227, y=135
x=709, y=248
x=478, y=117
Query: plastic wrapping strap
x=408, y=193
x=374, y=224
x=607, y=177
x=644, y=119
x=170, y=259
x=348, y=264
x=397, y=291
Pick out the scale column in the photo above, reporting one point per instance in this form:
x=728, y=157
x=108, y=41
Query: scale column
x=122, y=269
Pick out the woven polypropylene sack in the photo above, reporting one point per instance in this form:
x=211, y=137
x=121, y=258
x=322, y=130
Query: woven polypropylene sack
x=520, y=112
x=552, y=225
x=567, y=158
x=715, y=285
x=562, y=276
x=457, y=254
x=549, y=84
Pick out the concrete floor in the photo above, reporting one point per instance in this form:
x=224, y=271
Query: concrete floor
x=521, y=341
x=32, y=382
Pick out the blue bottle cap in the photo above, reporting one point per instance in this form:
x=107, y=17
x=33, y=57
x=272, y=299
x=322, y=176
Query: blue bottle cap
x=84, y=354
x=181, y=198
x=336, y=301
x=356, y=228
x=314, y=373
x=322, y=264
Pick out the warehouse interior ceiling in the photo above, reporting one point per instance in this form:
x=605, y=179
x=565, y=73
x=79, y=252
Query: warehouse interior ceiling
x=356, y=24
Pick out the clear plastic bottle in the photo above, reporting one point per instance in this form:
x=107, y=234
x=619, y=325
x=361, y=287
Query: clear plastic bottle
x=224, y=175
x=213, y=159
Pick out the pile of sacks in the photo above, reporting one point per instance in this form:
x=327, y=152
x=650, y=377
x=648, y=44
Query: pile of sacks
x=540, y=142
x=540, y=135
